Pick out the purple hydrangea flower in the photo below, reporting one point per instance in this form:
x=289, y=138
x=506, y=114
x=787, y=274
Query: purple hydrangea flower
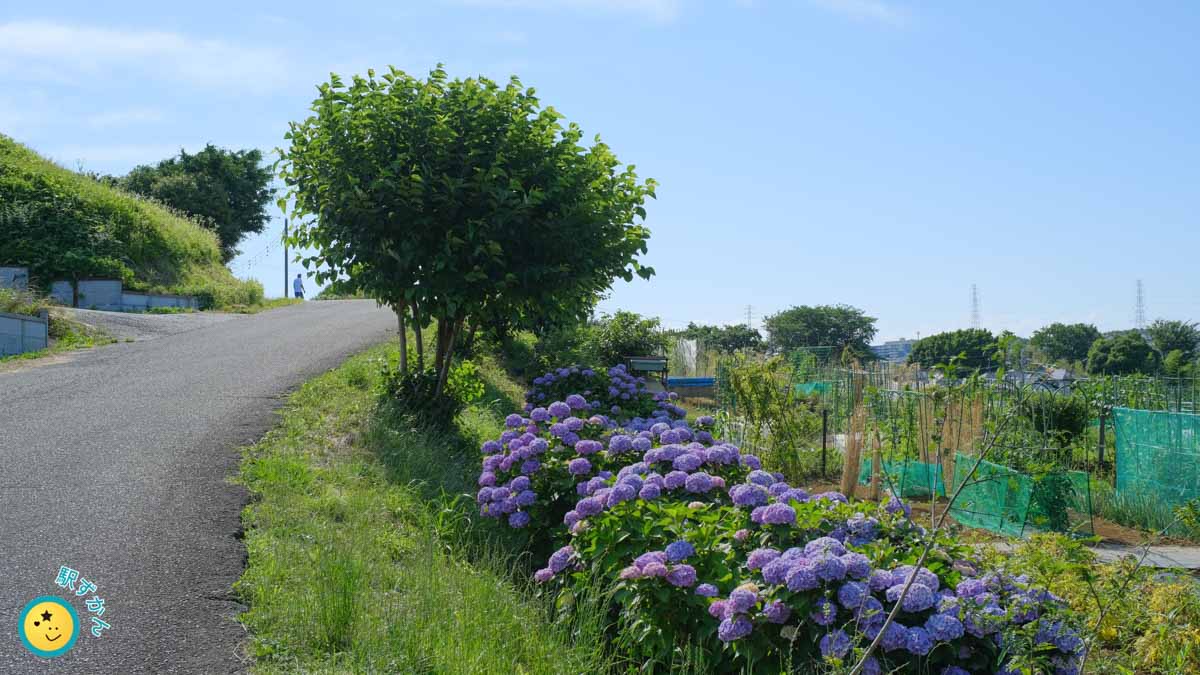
x=683, y=576
x=717, y=609
x=742, y=599
x=642, y=444
x=543, y=575
x=776, y=571
x=650, y=491
x=588, y=447
x=748, y=495
x=707, y=591
x=487, y=479
x=779, y=514
x=741, y=535
x=857, y=565
x=969, y=588
x=560, y=559
x=623, y=492
x=824, y=545
x=539, y=415
x=760, y=477
x=560, y=410
x=895, y=636
x=631, y=572
x=919, y=597
x=835, y=645
x=751, y=462
x=687, y=462
x=924, y=577
x=514, y=420
x=777, y=612
x=650, y=557
x=803, y=576
x=576, y=402
x=491, y=447
x=852, y=594
x=674, y=480
x=518, y=520
x=760, y=557
x=734, y=629
x=530, y=466
x=588, y=506
x=526, y=498
x=698, y=482
x=579, y=466
x=705, y=421
x=824, y=613
x=829, y=567
x=655, y=569
x=879, y=580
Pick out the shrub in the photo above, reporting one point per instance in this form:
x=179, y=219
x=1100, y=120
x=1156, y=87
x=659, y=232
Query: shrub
x=414, y=393
x=613, y=393
x=710, y=553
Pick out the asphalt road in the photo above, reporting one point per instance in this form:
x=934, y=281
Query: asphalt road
x=114, y=462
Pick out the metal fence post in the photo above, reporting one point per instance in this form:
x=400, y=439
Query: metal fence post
x=1100, y=452
x=824, y=437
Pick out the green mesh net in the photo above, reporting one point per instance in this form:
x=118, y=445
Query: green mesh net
x=907, y=477
x=999, y=499
x=1158, y=453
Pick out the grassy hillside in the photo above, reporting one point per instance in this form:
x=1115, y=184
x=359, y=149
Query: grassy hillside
x=64, y=224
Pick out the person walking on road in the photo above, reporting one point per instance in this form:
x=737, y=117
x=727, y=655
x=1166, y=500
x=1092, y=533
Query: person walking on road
x=298, y=287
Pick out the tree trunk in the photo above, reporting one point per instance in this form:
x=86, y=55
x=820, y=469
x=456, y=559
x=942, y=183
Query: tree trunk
x=440, y=346
x=420, y=337
x=453, y=330
x=400, y=312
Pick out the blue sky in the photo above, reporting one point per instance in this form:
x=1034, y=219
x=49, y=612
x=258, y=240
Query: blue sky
x=879, y=153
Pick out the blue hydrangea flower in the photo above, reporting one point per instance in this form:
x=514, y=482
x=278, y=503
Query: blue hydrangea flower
x=760, y=477
x=642, y=444
x=895, y=636
x=835, y=645
x=734, y=629
x=748, y=495
x=560, y=410
x=539, y=415
x=707, y=591
x=751, y=462
x=776, y=571
x=621, y=493
x=675, y=479
x=918, y=598
x=579, y=466
x=852, y=594
x=576, y=402
x=526, y=498
x=824, y=613
x=650, y=491
x=803, y=576
x=518, y=519
x=918, y=642
x=944, y=628
x=824, y=545
x=588, y=506
x=687, y=462
x=680, y=550
x=858, y=566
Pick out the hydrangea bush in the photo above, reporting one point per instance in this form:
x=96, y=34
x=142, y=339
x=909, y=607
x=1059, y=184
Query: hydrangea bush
x=615, y=393
x=706, y=548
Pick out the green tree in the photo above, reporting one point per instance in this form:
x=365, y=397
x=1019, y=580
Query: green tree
x=1176, y=364
x=1122, y=354
x=453, y=199
x=726, y=339
x=613, y=337
x=976, y=346
x=1068, y=342
x=225, y=190
x=1168, y=336
x=838, y=326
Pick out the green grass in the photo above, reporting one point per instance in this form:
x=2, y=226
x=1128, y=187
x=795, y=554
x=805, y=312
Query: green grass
x=266, y=304
x=159, y=250
x=1141, y=510
x=361, y=554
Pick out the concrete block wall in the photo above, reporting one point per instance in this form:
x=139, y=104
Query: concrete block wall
x=20, y=333
x=14, y=277
x=110, y=295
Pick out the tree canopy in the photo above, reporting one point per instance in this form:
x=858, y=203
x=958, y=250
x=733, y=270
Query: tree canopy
x=1065, y=342
x=1168, y=336
x=1122, y=354
x=976, y=346
x=227, y=191
x=725, y=338
x=838, y=326
x=448, y=199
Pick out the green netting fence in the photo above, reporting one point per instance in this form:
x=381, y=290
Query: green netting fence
x=907, y=477
x=1158, y=453
x=1000, y=499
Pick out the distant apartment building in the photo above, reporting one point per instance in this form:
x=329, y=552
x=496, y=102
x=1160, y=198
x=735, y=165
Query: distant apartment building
x=894, y=350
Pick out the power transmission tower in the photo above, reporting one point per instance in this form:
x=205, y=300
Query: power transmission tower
x=974, y=306
x=749, y=316
x=1139, y=312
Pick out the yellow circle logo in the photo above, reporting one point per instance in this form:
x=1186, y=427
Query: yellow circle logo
x=48, y=626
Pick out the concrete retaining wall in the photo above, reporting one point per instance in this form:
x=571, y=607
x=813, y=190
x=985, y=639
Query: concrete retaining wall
x=20, y=333
x=110, y=295
x=14, y=277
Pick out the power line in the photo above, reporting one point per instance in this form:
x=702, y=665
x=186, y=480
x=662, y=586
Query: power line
x=974, y=306
x=1139, y=312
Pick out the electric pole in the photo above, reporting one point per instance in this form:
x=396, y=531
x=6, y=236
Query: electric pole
x=974, y=306
x=1139, y=311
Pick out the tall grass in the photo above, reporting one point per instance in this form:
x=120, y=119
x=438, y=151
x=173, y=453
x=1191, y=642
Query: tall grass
x=1142, y=510
x=360, y=558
